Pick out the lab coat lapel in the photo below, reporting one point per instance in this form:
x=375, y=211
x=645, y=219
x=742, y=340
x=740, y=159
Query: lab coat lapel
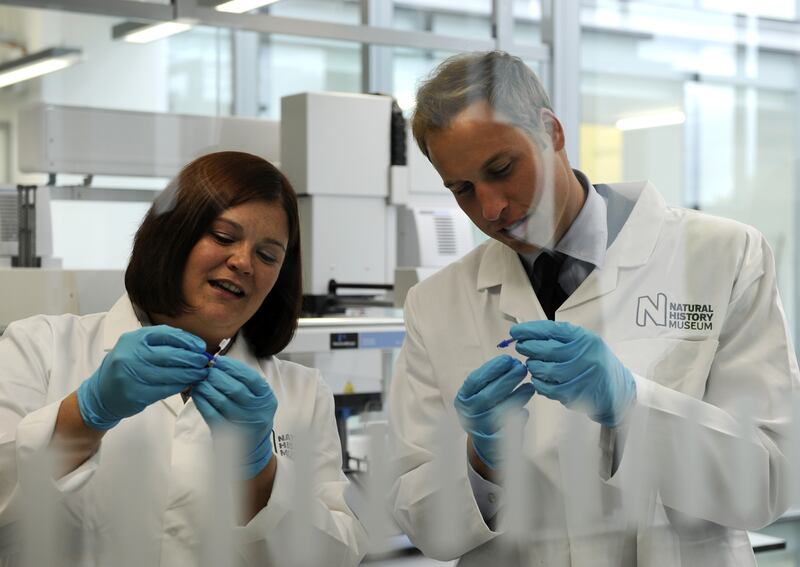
x=633, y=246
x=241, y=351
x=120, y=319
x=501, y=266
x=597, y=284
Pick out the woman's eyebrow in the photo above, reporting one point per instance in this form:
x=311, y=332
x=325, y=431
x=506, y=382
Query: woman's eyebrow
x=265, y=240
x=234, y=224
x=269, y=240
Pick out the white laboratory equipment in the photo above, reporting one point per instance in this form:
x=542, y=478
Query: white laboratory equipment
x=428, y=239
x=356, y=357
x=357, y=172
x=58, y=139
x=336, y=149
x=26, y=207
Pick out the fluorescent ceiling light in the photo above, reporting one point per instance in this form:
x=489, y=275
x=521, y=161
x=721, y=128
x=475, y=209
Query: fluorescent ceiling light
x=37, y=64
x=137, y=32
x=651, y=120
x=242, y=6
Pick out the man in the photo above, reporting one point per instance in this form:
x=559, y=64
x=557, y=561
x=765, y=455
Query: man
x=650, y=365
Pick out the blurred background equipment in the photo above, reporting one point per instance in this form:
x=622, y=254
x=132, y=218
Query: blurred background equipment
x=362, y=206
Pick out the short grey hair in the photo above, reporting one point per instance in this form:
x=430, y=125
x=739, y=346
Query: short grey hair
x=505, y=82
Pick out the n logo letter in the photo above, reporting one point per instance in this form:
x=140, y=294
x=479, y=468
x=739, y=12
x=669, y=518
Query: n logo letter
x=655, y=311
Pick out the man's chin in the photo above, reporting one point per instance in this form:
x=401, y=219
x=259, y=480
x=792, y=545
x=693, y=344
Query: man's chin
x=518, y=246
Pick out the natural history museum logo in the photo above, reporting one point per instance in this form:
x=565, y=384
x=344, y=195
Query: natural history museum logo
x=664, y=313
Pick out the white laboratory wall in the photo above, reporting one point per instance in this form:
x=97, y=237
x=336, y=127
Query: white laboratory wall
x=116, y=74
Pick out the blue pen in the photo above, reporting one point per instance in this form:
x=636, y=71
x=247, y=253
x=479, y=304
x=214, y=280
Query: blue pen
x=505, y=342
x=212, y=358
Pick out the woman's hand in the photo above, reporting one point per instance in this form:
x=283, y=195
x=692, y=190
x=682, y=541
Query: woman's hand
x=145, y=366
x=236, y=394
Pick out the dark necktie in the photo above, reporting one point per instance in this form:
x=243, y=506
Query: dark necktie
x=545, y=282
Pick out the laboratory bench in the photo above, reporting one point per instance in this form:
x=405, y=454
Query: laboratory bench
x=787, y=528
x=770, y=550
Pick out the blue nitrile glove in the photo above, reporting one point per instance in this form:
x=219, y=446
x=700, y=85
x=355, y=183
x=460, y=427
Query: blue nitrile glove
x=487, y=399
x=575, y=367
x=236, y=394
x=146, y=365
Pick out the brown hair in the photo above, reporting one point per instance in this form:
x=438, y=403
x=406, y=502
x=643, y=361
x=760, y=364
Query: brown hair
x=500, y=79
x=182, y=214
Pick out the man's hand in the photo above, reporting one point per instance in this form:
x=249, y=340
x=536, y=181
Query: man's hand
x=575, y=367
x=486, y=400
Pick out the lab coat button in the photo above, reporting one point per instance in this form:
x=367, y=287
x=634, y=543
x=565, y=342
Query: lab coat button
x=492, y=498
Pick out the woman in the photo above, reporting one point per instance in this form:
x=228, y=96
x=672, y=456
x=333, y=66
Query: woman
x=144, y=387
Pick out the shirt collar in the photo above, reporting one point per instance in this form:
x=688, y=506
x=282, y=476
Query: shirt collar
x=587, y=237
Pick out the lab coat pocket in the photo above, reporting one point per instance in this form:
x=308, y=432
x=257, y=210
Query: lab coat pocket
x=675, y=363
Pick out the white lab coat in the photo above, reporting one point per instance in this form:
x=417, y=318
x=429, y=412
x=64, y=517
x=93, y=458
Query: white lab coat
x=705, y=456
x=45, y=358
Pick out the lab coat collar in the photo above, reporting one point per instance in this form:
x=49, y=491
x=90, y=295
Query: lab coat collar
x=497, y=265
x=637, y=240
x=634, y=245
x=501, y=266
x=121, y=318
x=242, y=352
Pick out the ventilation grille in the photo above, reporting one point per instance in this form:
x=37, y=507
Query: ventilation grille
x=8, y=218
x=445, y=235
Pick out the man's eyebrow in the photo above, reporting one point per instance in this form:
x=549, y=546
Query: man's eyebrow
x=266, y=240
x=500, y=154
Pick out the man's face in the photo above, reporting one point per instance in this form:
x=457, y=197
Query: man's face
x=512, y=188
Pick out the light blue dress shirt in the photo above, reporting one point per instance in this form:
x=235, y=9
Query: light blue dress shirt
x=585, y=242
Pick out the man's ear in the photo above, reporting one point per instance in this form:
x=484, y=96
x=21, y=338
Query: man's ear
x=553, y=127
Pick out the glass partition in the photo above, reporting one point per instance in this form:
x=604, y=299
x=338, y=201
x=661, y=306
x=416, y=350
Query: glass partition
x=527, y=16
x=338, y=11
x=712, y=124
x=470, y=19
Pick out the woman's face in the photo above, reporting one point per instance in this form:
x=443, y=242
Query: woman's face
x=232, y=269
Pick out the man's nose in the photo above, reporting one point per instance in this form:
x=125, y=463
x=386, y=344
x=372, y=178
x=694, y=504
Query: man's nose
x=492, y=201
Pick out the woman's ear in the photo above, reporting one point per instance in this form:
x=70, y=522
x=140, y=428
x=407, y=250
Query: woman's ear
x=553, y=127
